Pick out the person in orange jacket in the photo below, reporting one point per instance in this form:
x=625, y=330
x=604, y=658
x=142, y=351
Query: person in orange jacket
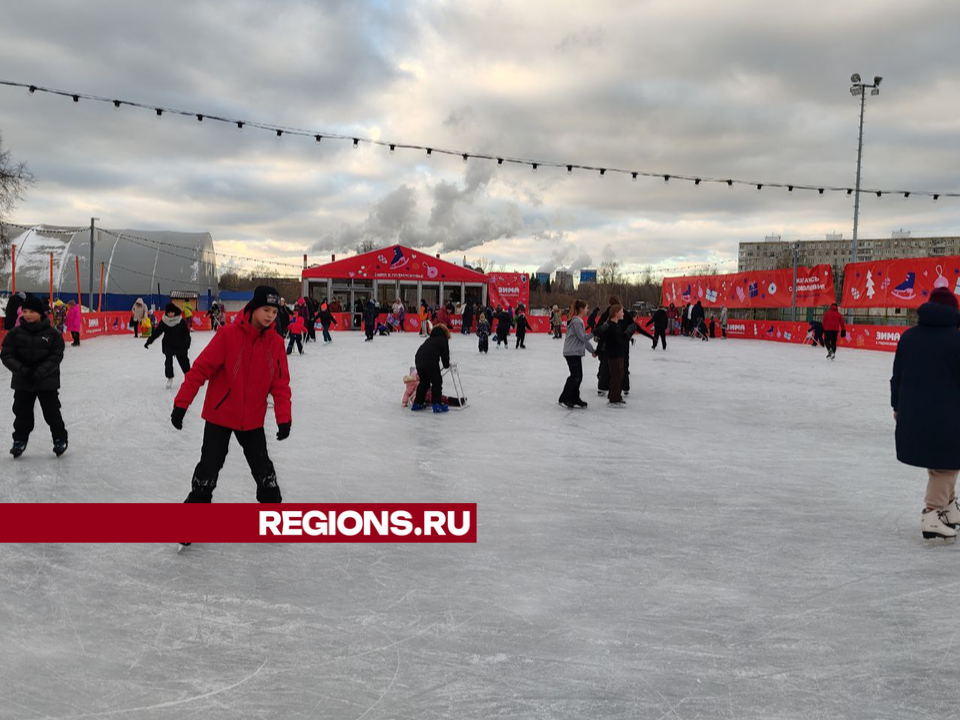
x=244, y=363
x=833, y=326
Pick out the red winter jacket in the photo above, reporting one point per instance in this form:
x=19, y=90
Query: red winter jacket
x=833, y=320
x=243, y=365
x=297, y=327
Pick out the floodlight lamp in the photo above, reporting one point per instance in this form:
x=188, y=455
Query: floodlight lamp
x=856, y=90
x=877, y=80
x=855, y=78
x=875, y=91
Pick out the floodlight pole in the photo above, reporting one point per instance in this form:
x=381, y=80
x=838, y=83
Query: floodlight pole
x=856, y=200
x=860, y=88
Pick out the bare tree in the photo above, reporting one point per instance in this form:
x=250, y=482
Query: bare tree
x=15, y=178
x=366, y=246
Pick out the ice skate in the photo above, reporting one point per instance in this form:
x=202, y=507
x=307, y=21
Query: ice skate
x=181, y=546
x=952, y=514
x=580, y=404
x=616, y=404
x=441, y=408
x=567, y=405
x=18, y=447
x=59, y=447
x=933, y=525
x=417, y=406
x=169, y=383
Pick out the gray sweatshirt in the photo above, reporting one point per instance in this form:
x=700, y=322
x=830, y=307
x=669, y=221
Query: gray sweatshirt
x=576, y=341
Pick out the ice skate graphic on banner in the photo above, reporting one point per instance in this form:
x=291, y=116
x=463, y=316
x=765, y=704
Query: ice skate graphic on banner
x=905, y=290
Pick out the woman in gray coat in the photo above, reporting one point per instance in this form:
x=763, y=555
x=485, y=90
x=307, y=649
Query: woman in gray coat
x=574, y=347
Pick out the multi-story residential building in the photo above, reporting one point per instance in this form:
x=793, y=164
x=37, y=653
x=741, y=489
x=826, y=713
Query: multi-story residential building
x=835, y=250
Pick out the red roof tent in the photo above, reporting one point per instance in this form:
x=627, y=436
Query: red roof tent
x=396, y=263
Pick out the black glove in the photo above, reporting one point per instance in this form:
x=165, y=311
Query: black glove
x=176, y=417
x=283, y=431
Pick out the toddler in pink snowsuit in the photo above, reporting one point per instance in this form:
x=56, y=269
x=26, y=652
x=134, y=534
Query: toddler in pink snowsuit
x=412, y=380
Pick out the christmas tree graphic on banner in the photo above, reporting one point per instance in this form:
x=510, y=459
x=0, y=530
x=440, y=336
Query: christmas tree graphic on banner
x=870, y=291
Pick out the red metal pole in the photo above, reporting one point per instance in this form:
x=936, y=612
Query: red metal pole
x=79, y=299
x=13, y=269
x=100, y=299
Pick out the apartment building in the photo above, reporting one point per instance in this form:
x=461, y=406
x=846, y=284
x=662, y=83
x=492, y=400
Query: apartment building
x=835, y=250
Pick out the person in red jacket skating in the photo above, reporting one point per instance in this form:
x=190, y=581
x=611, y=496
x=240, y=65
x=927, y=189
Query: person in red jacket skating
x=833, y=326
x=244, y=362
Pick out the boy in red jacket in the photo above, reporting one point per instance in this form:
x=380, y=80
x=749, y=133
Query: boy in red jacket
x=244, y=363
x=833, y=326
x=296, y=330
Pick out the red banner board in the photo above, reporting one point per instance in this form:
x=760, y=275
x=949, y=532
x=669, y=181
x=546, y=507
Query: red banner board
x=757, y=289
x=860, y=337
x=237, y=522
x=508, y=290
x=901, y=283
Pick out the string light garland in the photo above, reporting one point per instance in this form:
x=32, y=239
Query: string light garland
x=280, y=130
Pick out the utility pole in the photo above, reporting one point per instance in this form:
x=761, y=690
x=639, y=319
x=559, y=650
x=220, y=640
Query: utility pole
x=860, y=88
x=90, y=293
x=796, y=255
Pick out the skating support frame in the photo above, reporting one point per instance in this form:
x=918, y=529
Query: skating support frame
x=454, y=375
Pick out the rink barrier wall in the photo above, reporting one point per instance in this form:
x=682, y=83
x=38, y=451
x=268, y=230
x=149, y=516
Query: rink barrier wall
x=859, y=337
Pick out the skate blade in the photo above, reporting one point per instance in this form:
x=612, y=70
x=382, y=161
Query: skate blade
x=934, y=536
x=182, y=546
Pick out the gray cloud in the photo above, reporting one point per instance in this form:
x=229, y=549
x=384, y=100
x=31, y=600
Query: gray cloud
x=753, y=90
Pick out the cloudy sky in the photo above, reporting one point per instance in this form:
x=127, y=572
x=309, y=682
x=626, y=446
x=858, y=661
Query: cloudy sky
x=751, y=90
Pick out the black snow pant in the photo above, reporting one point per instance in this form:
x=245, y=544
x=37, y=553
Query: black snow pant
x=484, y=344
x=312, y=331
x=661, y=335
x=571, y=389
x=603, y=375
x=368, y=330
x=625, y=381
x=830, y=340
x=168, y=363
x=326, y=333
x=23, y=403
x=216, y=442
x=431, y=380
x=502, y=336
x=520, y=338
x=76, y=338
x=295, y=339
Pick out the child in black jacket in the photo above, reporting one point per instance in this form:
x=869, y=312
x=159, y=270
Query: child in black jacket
x=176, y=341
x=33, y=351
x=522, y=327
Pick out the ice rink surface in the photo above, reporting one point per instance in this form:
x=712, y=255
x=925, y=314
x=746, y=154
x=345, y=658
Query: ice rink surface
x=739, y=542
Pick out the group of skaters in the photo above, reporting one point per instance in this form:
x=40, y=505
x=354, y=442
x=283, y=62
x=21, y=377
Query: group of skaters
x=691, y=321
x=64, y=316
x=925, y=384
